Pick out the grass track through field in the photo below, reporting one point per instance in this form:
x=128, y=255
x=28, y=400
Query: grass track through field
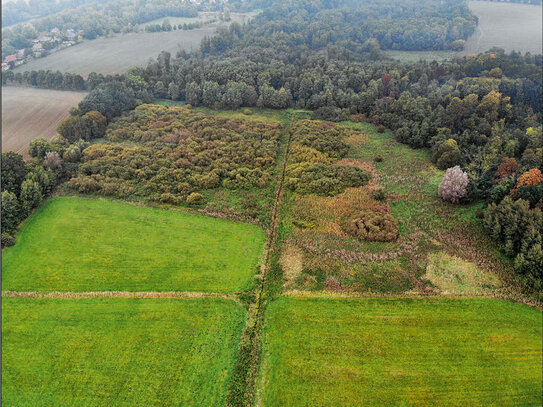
x=116, y=294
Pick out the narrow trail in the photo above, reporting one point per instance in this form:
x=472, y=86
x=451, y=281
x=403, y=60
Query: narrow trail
x=115, y=294
x=242, y=387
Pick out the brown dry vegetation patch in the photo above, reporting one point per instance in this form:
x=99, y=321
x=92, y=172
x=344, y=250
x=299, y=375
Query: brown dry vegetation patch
x=328, y=213
x=291, y=262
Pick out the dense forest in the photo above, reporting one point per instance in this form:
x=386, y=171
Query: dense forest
x=481, y=113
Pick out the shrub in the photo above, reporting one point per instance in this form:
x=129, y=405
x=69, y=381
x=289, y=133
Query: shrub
x=196, y=199
x=333, y=114
x=31, y=195
x=373, y=226
x=454, y=185
x=7, y=240
x=322, y=179
x=52, y=160
x=38, y=148
x=360, y=117
x=446, y=154
x=379, y=194
x=10, y=211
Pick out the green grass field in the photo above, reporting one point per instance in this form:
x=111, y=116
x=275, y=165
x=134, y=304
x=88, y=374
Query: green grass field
x=121, y=352
x=416, y=56
x=352, y=352
x=74, y=244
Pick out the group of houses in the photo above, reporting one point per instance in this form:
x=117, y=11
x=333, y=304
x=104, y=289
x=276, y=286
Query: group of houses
x=47, y=41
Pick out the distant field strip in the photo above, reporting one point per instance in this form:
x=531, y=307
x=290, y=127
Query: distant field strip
x=513, y=27
x=116, y=54
x=28, y=113
x=447, y=352
x=122, y=352
x=75, y=244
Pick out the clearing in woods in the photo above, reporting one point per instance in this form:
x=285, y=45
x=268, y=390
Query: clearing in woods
x=28, y=113
x=513, y=27
x=133, y=352
x=75, y=244
x=351, y=352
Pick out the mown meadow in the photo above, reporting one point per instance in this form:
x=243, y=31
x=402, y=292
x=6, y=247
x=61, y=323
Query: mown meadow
x=398, y=351
x=77, y=244
x=96, y=352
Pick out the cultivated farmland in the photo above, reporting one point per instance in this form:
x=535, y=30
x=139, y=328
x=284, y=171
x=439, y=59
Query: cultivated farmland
x=118, y=351
x=118, y=53
x=74, y=244
x=352, y=352
x=28, y=113
x=513, y=27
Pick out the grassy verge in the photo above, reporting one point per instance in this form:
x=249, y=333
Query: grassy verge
x=73, y=244
x=122, y=352
x=352, y=352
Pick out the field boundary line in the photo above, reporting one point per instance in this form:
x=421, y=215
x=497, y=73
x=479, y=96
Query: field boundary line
x=116, y=294
x=242, y=389
x=414, y=295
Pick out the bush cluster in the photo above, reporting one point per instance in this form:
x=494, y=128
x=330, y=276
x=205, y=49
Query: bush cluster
x=315, y=146
x=322, y=179
x=174, y=152
x=372, y=226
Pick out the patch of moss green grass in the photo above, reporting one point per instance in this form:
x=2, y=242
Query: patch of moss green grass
x=118, y=352
x=75, y=244
x=446, y=352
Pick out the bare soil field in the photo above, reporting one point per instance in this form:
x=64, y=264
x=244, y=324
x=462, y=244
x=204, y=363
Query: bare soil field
x=28, y=113
x=513, y=27
x=116, y=54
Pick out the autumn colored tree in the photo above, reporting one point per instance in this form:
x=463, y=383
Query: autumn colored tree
x=507, y=169
x=529, y=179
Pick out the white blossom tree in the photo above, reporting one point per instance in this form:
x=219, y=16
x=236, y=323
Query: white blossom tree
x=454, y=185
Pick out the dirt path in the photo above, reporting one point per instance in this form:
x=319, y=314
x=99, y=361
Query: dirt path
x=243, y=384
x=115, y=294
